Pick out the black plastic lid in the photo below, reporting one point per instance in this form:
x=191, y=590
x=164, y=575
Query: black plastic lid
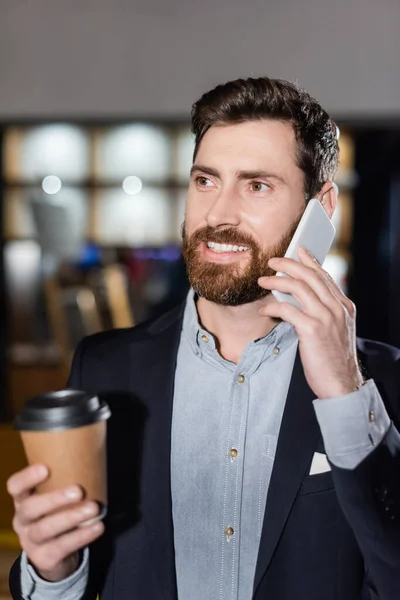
x=61, y=410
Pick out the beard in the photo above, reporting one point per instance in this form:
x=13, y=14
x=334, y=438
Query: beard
x=230, y=284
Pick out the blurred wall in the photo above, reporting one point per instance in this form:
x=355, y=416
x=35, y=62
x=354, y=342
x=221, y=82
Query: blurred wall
x=99, y=58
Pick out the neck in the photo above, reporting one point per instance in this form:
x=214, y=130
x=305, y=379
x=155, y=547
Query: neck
x=235, y=326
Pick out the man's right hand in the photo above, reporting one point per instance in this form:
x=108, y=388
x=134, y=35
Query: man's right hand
x=51, y=541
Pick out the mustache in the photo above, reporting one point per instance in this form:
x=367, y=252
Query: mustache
x=223, y=236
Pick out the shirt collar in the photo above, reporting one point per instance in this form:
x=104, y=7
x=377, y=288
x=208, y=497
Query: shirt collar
x=282, y=336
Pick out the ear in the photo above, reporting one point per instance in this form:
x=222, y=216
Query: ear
x=328, y=197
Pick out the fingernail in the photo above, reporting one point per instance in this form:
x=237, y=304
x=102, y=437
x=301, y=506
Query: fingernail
x=42, y=470
x=72, y=493
x=273, y=260
x=89, y=509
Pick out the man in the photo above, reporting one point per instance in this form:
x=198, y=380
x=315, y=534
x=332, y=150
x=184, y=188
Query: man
x=224, y=409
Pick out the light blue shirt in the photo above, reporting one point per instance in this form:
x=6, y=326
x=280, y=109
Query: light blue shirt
x=225, y=425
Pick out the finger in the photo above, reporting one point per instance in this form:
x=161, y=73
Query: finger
x=339, y=294
x=47, y=557
x=311, y=274
x=307, y=258
x=291, y=314
x=304, y=294
x=21, y=484
x=38, y=505
x=53, y=526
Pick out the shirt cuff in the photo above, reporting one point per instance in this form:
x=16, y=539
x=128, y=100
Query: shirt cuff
x=34, y=587
x=352, y=425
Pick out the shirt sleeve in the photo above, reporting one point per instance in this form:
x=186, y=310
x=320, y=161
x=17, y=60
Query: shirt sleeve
x=71, y=588
x=352, y=425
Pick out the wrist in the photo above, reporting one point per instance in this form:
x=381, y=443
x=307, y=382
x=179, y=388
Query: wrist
x=342, y=389
x=66, y=568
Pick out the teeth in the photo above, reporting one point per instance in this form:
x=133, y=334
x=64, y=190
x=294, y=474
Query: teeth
x=226, y=247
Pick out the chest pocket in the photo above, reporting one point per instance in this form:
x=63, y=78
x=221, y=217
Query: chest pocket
x=313, y=484
x=320, y=482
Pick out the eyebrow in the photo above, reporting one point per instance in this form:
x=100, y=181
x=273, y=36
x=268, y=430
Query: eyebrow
x=203, y=169
x=256, y=174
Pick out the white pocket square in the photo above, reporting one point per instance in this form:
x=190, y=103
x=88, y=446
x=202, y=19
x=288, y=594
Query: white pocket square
x=319, y=464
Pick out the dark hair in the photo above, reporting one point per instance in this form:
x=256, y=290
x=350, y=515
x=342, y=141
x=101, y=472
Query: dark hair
x=263, y=98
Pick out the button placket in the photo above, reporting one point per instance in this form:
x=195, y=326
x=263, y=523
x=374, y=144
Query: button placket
x=234, y=478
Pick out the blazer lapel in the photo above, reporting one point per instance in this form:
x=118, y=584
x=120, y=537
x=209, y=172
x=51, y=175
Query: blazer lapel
x=154, y=363
x=297, y=438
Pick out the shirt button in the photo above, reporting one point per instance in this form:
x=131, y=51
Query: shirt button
x=229, y=532
x=204, y=338
x=371, y=416
x=276, y=350
x=233, y=452
x=240, y=378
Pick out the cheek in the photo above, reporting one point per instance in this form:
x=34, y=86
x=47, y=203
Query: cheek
x=270, y=226
x=194, y=215
x=266, y=229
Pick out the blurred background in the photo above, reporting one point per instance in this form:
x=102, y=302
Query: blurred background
x=95, y=152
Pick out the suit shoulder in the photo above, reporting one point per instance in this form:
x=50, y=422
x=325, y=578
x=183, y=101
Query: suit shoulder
x=118, y=339
x=104, y=360
x=115, y=338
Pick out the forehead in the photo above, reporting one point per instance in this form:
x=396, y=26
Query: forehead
x=261, y=143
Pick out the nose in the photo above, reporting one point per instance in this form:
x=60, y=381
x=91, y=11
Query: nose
x=223, y=211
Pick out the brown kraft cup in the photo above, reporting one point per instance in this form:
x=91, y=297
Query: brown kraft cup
x=67, y=432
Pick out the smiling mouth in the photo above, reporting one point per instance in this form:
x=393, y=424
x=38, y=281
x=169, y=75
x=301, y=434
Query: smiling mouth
x=215, y=247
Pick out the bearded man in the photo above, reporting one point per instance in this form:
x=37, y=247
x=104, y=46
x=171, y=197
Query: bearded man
x=254, y=449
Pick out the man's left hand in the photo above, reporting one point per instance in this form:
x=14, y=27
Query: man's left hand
x=325, y=325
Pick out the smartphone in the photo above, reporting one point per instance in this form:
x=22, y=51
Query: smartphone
x=315, y=232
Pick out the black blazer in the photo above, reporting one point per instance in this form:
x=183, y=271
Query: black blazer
x=331, y=536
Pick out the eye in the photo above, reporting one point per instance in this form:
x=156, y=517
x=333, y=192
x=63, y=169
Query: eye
x=259, y=186
x=203, y=181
